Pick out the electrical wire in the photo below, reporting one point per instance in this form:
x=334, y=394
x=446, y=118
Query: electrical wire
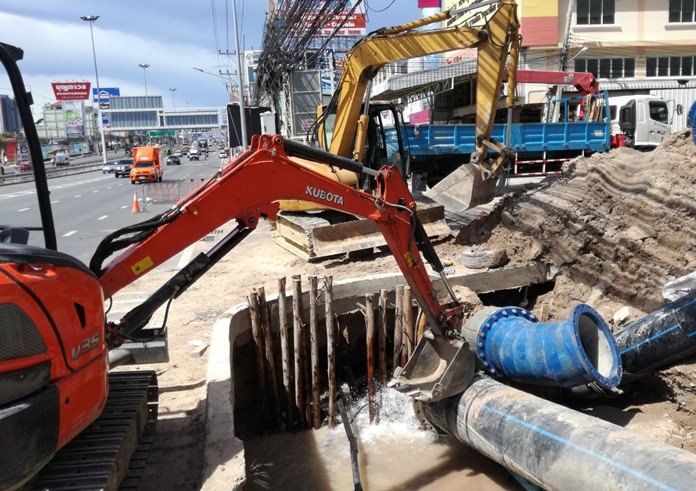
x=377, y=11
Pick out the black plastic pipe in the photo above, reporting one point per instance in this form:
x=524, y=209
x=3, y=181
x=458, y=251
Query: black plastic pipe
x=659, y=339
x=555, y=447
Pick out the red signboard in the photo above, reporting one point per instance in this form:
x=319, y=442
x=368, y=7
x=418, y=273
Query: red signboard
x=428, y=4
x=352, y=25
x=71, y=91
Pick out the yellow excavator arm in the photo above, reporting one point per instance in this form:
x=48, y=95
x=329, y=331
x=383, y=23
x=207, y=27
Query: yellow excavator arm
x=494, y=42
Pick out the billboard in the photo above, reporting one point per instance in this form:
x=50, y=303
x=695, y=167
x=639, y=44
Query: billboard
x=105, y=95
x=305, y=97
x=71, y=91
x=72, y=113
x=353, y=25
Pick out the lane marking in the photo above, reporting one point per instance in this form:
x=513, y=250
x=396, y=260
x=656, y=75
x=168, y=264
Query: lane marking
x=23, y=209
x=77, y=196
x=54, y=202
x=103, y=217
x=72, y=232
x=95, y=191
x=124, y=207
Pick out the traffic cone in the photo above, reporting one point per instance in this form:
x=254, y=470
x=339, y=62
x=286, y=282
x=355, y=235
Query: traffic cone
x=136, y=204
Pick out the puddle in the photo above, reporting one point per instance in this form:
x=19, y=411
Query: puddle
x=394, y=455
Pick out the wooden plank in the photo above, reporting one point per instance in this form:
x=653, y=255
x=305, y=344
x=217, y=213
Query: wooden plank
x=314, y=350
x=270, y=358
x=383, y=309
x=330, y=347
x=298, y=346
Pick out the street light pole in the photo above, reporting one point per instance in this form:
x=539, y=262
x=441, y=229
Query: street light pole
x=173, y=99
x=92, y=19
x=242, y=111
x=144, y=66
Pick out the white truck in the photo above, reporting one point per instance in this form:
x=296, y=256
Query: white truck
x=644, y=120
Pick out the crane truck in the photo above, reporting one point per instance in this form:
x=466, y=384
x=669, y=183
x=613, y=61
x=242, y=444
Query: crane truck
x=58, y=392
x=352, y=126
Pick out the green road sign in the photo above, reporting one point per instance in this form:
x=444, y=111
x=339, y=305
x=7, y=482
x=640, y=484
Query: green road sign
x=161, y=133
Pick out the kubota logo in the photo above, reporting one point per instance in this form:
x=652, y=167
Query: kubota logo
x=324, y=195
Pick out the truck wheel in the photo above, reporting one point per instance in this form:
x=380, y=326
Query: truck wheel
x=160, y=178
x=132, y=182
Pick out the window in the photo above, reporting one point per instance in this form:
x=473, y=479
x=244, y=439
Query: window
x=682, y=10
x=659, y=111
x=593, y=12
x=607, y=67
x=669, y=66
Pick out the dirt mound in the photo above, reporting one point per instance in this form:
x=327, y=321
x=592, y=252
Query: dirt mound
x=616, y=225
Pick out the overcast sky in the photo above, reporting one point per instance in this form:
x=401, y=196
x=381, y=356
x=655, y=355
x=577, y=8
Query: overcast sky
x=172, y=36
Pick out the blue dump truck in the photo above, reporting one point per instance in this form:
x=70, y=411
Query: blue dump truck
x=540, y=148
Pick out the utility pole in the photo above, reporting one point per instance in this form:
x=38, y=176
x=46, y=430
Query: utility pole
x=242, y=109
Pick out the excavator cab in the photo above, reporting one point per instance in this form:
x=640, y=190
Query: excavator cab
x=377, y=148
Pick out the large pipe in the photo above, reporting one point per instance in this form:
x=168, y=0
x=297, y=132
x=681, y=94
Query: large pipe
x=661, y=338
x=513, y=343
x=555, y=447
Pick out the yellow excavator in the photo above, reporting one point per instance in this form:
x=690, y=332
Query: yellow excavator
x=352, y=126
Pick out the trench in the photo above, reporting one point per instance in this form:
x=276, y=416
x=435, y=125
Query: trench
x=395, y=451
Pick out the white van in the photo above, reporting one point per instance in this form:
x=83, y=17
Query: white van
x=643, y=119
x=61, y=159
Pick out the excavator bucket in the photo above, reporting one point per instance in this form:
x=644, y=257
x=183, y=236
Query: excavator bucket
x=464, y=188
x=438, y=368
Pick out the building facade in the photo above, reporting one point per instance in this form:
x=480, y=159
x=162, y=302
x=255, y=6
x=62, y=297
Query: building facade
x=9, y=117
x=632, y=46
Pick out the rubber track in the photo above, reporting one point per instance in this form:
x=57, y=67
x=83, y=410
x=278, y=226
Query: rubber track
x=99, y=457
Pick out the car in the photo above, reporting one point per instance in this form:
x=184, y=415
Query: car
x=123, y=167
x=173, y=160
x=194, y=154
x=178, y=153
x=222, y=154
x=60, y=159
x=109, y=166
x=25, y=167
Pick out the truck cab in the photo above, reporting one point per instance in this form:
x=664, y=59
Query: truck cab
x=147, y=166
x=643, y=119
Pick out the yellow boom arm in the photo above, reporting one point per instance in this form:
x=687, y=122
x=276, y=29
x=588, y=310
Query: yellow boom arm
x=494, y=42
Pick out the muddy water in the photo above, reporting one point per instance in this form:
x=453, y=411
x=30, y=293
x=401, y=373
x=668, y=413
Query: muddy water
x=394, y=455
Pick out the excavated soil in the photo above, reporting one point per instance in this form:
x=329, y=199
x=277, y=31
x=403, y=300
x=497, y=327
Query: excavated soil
x=616, y=226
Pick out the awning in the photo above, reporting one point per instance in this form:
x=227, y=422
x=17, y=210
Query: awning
x=420, y=83
x=648, y=84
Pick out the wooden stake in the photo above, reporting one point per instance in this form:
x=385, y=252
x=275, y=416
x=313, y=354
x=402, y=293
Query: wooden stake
x=398, y=329
x=408, y=326
x=256, y=333
x=422, y=322
x=370, y=343
x=383, y=308
x=330, y=347
x=353, y=445
x=298, y=347
x=285, y=353
x=314, y=347
x=270, y=359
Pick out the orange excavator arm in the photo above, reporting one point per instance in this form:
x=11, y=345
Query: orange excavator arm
x=249, y=189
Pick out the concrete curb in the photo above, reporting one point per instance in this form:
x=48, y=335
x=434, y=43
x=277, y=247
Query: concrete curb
x=224, y=467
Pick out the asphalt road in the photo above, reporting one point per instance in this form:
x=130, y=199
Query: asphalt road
x=87, y=207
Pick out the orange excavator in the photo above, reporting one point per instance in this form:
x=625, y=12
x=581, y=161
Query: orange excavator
x=57, y=348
